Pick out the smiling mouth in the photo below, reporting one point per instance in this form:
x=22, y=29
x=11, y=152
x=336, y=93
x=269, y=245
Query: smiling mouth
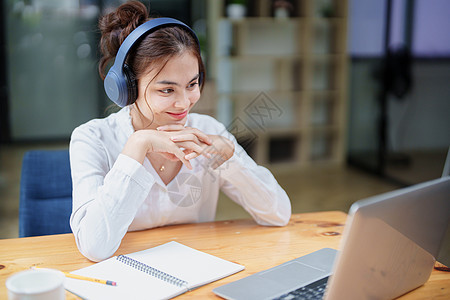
x=178, y=116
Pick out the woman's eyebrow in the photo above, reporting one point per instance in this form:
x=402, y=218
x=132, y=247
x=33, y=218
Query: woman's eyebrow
x=195, y=77
x=175, y=83
x=167, y=82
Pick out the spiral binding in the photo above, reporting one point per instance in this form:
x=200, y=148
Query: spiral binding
x=152, y=271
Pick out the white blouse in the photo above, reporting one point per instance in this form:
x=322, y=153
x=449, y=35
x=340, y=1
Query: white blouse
x=113, y=193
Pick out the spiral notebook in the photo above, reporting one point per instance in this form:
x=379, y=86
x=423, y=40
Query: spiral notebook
x=161, y=272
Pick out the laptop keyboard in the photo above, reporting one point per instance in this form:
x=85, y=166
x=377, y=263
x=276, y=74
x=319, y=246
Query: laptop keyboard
x=313, y=290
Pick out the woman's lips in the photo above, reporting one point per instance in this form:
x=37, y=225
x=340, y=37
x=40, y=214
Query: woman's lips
x=178, y=116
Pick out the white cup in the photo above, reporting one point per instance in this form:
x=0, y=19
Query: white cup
x=42, y=284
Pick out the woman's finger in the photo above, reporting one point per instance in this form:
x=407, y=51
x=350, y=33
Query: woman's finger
x=185, y=138
x=170, y=127
x=202, y=137
x=191, y=155
x=170, y=156
x=181, y=156
x=192, y=147
x=186, y=130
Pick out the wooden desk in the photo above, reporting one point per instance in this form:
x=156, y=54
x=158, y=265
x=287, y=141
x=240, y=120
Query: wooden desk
x=242, y=241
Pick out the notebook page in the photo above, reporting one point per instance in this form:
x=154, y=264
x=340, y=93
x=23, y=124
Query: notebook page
x=131, y=283
x=195, y=267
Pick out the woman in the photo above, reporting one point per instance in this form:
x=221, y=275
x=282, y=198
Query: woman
x=154, y=163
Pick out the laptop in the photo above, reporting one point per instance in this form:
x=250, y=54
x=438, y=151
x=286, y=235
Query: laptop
x=388, y=248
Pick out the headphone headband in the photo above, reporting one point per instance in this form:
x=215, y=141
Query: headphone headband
x=115, y=82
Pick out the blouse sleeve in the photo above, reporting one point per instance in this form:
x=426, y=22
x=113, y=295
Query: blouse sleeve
x=105, y=197
x=253, y=187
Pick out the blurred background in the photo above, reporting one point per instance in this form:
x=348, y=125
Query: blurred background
x=340, y=99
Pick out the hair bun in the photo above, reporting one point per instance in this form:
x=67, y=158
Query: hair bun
x=116, y=26
x=132, y=14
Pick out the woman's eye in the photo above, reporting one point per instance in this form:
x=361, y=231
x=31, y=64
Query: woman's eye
x=166, y=91
x=192, y=85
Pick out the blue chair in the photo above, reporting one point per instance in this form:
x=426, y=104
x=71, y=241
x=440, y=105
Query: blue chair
x=45, y=193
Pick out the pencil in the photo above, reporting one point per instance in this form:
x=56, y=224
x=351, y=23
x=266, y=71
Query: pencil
x=108, y=282
x=80, y=277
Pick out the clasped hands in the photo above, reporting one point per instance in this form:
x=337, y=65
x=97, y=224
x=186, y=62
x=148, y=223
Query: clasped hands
x=176, y=142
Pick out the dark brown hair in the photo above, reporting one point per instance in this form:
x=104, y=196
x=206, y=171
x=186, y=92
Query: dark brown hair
x=154, y=50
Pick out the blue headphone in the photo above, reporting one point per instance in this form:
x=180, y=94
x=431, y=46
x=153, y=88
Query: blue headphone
x=120, y=83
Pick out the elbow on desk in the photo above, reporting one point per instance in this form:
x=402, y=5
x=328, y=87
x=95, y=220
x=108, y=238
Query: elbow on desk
x=94, y=244
x=281, y=209
x=278, y=222
x=94, y=251
x=280, y=217
x=284, y=211
x=95, y=256
x=284, y=218
x=284, y=221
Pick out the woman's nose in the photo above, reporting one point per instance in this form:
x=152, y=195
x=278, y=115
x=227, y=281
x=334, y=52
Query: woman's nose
x=183, y=100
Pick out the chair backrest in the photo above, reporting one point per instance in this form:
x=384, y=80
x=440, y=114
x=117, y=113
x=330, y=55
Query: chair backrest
x=45, y=193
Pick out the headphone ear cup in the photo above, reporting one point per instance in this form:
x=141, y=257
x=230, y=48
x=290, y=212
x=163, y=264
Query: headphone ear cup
x=132, y=86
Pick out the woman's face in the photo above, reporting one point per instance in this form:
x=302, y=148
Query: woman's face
x=172, y=93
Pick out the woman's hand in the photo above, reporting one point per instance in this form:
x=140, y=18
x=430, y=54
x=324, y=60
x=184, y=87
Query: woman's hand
x=191, y=140
x=195, y=143
x=220, y=150
x=175, y=142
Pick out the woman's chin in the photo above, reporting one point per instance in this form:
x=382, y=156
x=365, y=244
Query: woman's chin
x=178, y=122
